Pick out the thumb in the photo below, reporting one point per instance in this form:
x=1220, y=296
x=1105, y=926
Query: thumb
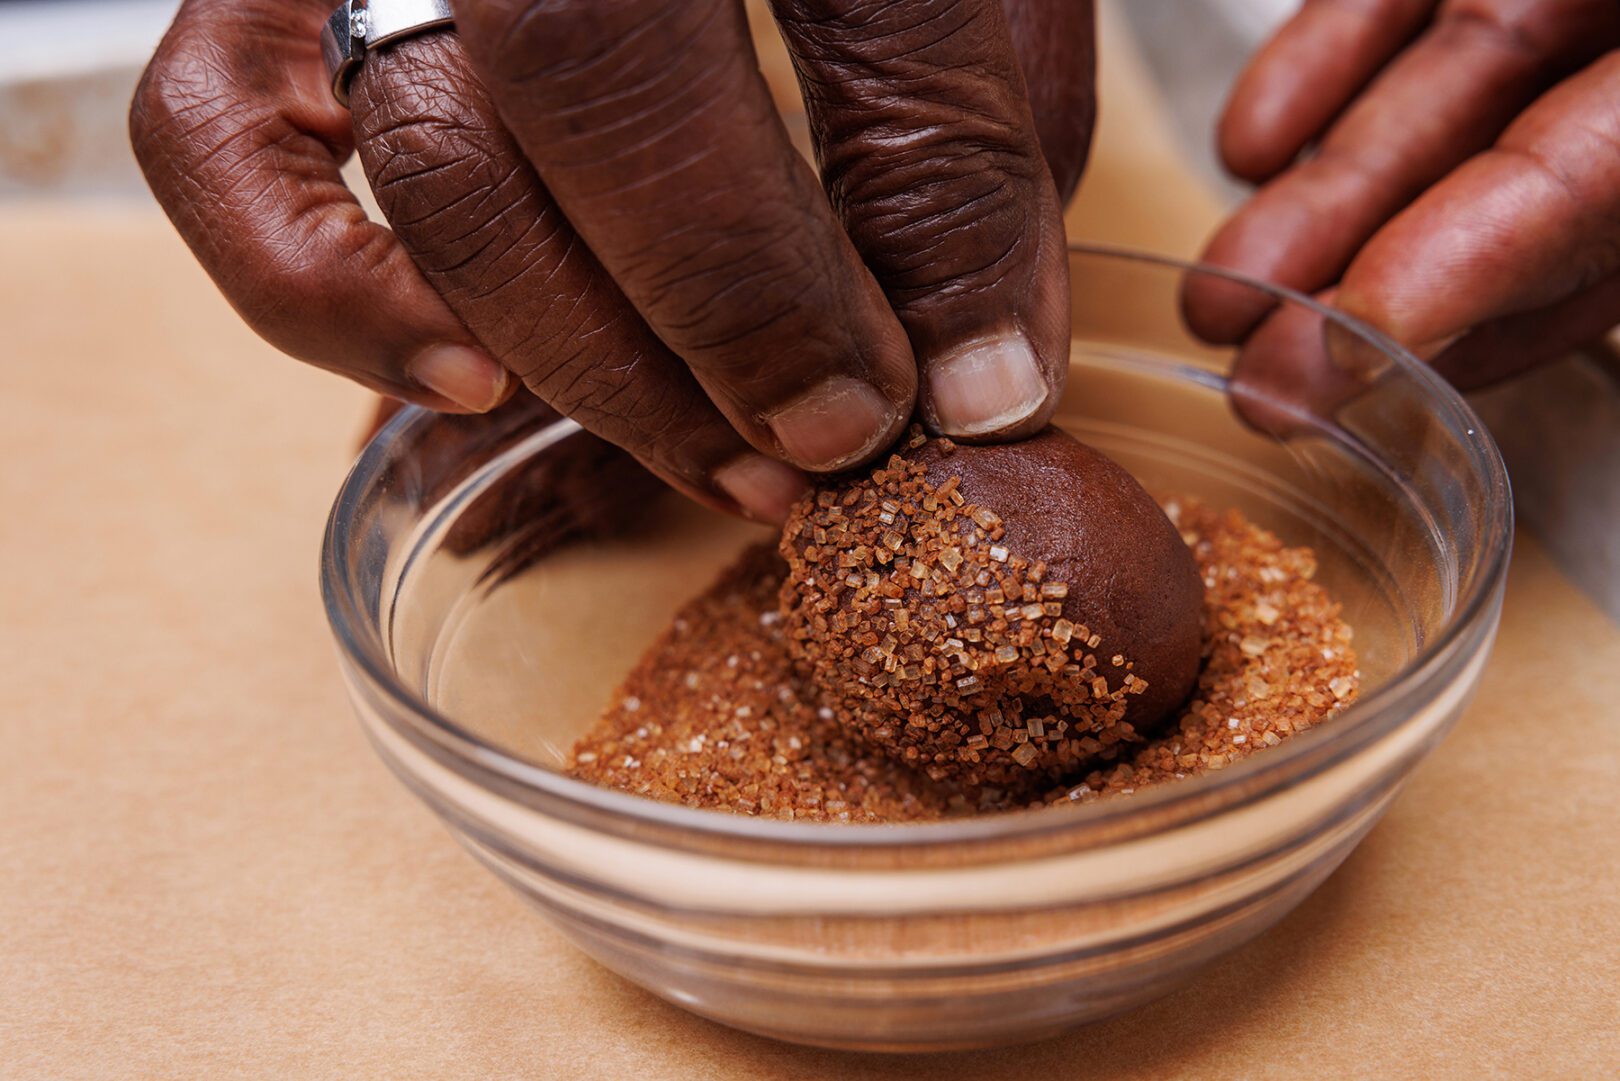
x=930, y=154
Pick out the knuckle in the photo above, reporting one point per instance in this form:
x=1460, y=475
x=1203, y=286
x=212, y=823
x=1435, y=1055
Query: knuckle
x=547, y=320
x=617, y=399
x=609, y=86
x=928, y=152
x=177, y=98
x=720, y=299
x=143, y=107
x=878, y=31
x=450, y=179
x=419, y=164
x=601, y=394
x=1597, y=256
x=939, y=207
x=538, y=40
x=874, y=62
x=893, y=69
x=292, y=267
x=1539, y=32
x=1366, y=10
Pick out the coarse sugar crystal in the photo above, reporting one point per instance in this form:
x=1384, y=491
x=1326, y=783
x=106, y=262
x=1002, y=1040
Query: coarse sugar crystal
x=751, y=749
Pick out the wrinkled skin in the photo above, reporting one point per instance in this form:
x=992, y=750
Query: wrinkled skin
x=1447, y=170
x=596, y=200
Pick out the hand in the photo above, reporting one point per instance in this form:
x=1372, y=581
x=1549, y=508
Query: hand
x=1464, y=189
x=597, y=198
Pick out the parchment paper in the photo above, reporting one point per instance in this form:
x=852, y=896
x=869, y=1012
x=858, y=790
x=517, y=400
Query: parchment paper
x=207, y=874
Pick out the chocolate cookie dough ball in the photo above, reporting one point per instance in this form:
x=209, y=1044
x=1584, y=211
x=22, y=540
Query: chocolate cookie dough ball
x=995, y=615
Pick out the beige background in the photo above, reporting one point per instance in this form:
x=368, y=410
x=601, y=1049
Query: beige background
x=207, y=874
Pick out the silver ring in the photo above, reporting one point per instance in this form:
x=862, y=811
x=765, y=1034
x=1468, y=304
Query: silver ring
x=366, y=24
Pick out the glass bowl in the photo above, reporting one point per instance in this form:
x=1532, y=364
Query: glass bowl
x=490, y=580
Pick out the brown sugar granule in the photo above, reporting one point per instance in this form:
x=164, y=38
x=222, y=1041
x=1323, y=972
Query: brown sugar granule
x=911, y=617
x=1277, y=655
x=714, y=717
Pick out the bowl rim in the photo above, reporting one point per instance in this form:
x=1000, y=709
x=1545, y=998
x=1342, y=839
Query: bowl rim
x=1365, y=720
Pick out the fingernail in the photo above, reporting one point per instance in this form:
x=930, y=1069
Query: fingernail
x=764, y=488
x=462, y=374
x=986, y=386
x=840, y=422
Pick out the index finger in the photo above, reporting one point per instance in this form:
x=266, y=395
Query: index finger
x=651, y=126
